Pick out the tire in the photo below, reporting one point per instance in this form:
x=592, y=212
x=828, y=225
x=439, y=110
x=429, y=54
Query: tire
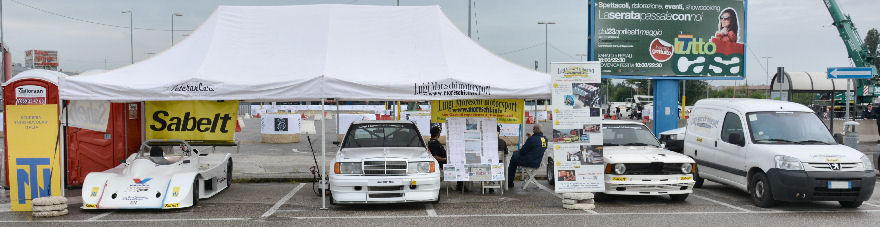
x=678, y=197
x=195, y=192
x=850, y=204
x=550, y=175
x=698, y=181
x=229, y=174
x=759, y=189
x=601, y=197
x=436, y=201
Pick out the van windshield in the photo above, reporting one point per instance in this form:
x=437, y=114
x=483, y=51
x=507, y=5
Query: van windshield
x=787, y=128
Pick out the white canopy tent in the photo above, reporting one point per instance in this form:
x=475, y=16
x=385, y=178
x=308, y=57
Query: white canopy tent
x=267, y=53
x=313, y=52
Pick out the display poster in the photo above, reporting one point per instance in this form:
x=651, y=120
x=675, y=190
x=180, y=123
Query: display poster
x=280, y=124
x=577, y=127
x=91, y=115
x=472, y=150
x=33, y=151
x=191, y=120
x=670, y=38
x=508, y=111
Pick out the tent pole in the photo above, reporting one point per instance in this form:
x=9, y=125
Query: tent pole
x=324, y=177
x=337, y=121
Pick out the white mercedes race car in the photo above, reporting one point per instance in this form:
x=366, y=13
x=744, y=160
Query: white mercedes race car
x=164, y=174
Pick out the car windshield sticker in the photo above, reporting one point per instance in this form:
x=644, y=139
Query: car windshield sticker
x=753, y=117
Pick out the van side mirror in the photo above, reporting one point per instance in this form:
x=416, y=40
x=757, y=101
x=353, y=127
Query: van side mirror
x=838, y=138
x=737, y=138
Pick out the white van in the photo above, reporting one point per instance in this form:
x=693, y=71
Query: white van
x=775, y=150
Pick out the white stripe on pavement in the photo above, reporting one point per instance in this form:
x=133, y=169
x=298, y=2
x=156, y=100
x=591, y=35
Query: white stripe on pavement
x=96, y=217
x=723, y=203
x=871, y=204
x=282, y=201
x=430, y=209
x=5, y=207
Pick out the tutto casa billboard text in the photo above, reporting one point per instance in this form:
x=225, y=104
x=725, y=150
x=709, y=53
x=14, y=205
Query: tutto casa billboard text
x=696, y=39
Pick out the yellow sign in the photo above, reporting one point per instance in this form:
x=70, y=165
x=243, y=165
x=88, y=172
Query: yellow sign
x=93, y=206
x=172, y=205
x=507, y=111
x=34, y=159
x=685, y=178
x=191, y=120
x=618, y=178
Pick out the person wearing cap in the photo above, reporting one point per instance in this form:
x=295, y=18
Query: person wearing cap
x=529, y=156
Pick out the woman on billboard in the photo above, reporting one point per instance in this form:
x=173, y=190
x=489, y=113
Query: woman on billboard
x=726, y=37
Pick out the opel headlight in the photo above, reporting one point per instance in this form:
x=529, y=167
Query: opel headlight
x=348, y=168
x=619, y=168
x=420, y=167
x=687, y=168
x=788, y=163
x=866, y=163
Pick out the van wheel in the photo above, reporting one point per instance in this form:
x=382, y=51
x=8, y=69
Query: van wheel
x=698, y=181
x=678, y=197
x=850, y=204
x=759, y=188
x=550, y=175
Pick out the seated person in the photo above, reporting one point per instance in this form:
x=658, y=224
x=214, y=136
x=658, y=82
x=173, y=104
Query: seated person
x=529, y=156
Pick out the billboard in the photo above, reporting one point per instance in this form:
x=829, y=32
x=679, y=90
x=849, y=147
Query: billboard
x=41, y=59
x=672, y=38
x=191, y=120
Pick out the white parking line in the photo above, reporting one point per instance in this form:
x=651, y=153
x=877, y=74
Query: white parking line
x=5, y=207
x=282, y=201
x=96, y=217
x=723, y=203
x=871, y=204
x=430, y=209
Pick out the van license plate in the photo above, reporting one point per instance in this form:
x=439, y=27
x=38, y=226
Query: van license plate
x=839, y=184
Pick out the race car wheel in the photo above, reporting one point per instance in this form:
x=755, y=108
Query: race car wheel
x=550, y=174
x=195, y=192
x=229, y=174
x=678, y=197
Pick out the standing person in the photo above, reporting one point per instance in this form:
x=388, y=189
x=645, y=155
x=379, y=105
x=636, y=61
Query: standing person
x=617, y=111
x=439, y=152
x=529, y=156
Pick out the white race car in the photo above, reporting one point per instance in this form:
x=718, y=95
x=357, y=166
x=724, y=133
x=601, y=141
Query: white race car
x=164, y=174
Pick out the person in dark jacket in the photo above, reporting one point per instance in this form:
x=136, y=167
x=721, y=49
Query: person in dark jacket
x=502, y=145
x=529, y=156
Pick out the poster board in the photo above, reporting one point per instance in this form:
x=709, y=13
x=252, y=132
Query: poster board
x=509, y=111
x=34, y=156
x=191, y=120
x=472, y=150
x=577, y=127
x=283, y=124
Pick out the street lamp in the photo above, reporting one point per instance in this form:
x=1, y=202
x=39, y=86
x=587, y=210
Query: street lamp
x=546, y=61
x=131, y=32
x=173, y=14
x=767, y=72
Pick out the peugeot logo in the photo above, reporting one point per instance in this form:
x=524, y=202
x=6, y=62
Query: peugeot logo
x=834, y=166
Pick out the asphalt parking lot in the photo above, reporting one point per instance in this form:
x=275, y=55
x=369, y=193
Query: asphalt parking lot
x=297, y=204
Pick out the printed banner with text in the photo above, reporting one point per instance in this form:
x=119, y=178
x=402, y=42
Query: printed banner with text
x=577, y=127
x=34, y=158
x=507, y=111
x=671, y=38
x=191, y=120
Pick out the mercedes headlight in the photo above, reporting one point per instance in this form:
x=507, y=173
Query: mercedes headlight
x=619, y=168
x=420, y=167
x=687, y=168
x=788, y=163
x=866, y=163
x=348, y=168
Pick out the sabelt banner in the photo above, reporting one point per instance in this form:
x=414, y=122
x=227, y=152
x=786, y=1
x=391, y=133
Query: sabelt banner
x=507, y=111
x=191, y=120
x=691, y=38
x=34, y=157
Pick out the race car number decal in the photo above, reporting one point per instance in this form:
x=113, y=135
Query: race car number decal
x=618, y=178
x=172, y=205
x=94, y=192
x=176, y=191
x=685, y=178
x=91, y=205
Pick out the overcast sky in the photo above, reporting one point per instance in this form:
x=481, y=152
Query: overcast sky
x=94, y=34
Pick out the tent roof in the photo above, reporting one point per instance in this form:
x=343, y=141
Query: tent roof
x=309, y=52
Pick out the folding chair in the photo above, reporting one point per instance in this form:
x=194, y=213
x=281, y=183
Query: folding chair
x=529, y=176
